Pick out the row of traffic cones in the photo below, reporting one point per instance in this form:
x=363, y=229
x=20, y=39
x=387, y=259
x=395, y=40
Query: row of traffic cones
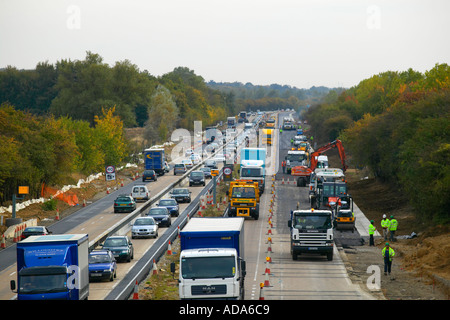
x=268, y=261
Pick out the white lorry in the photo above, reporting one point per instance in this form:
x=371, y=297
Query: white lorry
x=212, y=262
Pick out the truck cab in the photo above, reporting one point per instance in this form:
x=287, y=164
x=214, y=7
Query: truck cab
x=52, y=267
x=197, y=265
x=212, y=263
x=322, y=186
x=244, y=199
x=311, y=233
x=295, y=158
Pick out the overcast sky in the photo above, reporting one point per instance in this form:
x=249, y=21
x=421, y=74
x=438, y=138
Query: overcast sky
x=290, y=42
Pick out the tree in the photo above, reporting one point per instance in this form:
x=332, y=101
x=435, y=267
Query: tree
x=163, y=115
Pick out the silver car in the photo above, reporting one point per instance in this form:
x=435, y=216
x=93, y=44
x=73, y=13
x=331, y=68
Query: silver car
x=144, y=227
x=179, y=168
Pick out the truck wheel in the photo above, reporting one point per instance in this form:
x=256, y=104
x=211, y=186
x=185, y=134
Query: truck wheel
x=330, y=256
x=294, y=256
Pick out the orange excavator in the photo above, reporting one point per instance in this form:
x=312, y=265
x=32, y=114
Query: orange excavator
x=303, y=173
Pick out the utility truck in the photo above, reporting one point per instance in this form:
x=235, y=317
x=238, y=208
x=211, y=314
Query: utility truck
x=295, y=158
x=317, y=161
x=244, y=199
x=326, y=185
x=253, y=166
x=212, y=264
x=53, y=267
x=311, y=232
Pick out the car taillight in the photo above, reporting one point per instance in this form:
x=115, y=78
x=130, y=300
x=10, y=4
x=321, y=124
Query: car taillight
x=115, y=204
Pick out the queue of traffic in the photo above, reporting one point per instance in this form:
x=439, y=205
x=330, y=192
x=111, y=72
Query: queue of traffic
x=102, y=262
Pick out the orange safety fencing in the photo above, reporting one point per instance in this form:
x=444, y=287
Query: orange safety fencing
x=68, y=197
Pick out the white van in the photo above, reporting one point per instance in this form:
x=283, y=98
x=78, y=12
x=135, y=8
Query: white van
x=140, y=192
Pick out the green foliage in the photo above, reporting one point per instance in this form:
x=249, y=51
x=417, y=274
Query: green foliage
x=400, y=130
x=49, y=205
x=37, y=150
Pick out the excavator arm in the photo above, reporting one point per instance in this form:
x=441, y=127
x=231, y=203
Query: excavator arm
x=335, y=144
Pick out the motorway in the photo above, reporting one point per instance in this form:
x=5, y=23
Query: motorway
x=311, y=277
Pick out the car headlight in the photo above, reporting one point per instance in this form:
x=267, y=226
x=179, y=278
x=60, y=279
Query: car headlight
x=125, y=251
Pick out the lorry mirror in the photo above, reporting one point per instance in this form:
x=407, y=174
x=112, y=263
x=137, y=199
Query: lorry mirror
x=12, y=285
x=244, y=267
x=290, y=223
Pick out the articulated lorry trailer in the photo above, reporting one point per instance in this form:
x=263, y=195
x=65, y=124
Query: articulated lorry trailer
x=53, y=267
x=212, y=264
x=154, y=159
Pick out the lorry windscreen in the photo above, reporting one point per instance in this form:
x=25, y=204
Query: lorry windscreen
x=42, y=283
x=208, y=267
x=243, y=192
x=251, y=172
x=334, y=190
x=296, y=157
x=312, y=222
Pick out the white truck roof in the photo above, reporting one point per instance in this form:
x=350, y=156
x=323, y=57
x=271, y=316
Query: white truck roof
x=208, y=252
x=329, y=172
x=214, y=224
x=56, y=238
x=252, y=163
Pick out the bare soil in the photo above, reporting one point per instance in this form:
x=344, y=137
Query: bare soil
x=421, y=267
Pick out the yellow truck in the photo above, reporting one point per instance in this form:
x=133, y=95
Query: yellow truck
x=244, y=199
x=267, y=136
x=270, y=123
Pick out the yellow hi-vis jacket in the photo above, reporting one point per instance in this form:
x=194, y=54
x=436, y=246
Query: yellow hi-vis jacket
x=391, y=253
x=372, y=229
x=393, y=225
x=385, y=223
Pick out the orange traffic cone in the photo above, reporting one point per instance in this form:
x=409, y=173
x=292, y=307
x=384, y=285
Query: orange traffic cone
x=136, y=291
x=57, y=214
x=261, y=292
x=169, y=249
x=155, y=269
x=3, y=244
x=15, y=239
x=266, y=280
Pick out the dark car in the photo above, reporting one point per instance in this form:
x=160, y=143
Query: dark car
x=181, y=195
x=120, y=246
x=124, y=203
x=171, y=205
x=161, y=216
x=207, y=172
x=149, y=175
x=197, y=178
x=35, y=231
x=211, y=164
x=102, y=265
